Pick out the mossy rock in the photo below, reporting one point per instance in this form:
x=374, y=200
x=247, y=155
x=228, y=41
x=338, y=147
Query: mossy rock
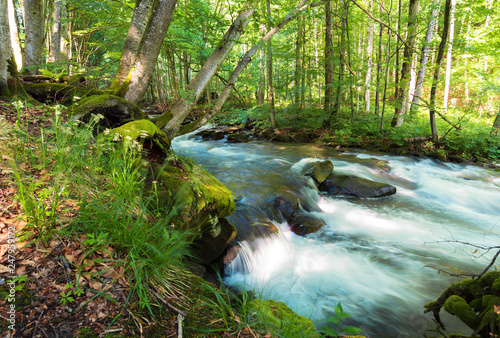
x=203, y=199
x=115, y=110
x=141, y=130
x=213, y=243
x=320, y=171
x=352, y=186
x=458, y=307
x=279, y=315
x=58, y=92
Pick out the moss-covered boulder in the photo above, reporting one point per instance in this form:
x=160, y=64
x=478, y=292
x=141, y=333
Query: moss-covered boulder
x=279, y=315
x=353, y=186
x=212, y=244
x=141, y=130
x=59, y=92
x=202, y=201
x=473, y=302
x=115, y=110
x=319, y=171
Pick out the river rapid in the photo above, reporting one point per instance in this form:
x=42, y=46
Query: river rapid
x=381, y=258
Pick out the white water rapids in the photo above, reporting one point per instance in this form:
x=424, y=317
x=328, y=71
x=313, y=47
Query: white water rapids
x=381, y=258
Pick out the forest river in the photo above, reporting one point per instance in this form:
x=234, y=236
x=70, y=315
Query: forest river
x=382, y=259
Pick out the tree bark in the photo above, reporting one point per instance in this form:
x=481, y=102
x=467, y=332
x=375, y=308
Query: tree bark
x=369, y=60
x=379, y=67
x=448, y=57
x=403, y=85
x=55, y=40
x=338, y=93
x=262, y=68
x=34, y=35
x=14, y=35
x=136, y=84
x=270, y=89
x=138, y=24
x=298, y=67
x=183, y=106
x=424, y=58
x=10, y=85
x=442, y=45
x=328, y=58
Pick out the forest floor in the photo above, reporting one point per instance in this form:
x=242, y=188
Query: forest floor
x=63, y=287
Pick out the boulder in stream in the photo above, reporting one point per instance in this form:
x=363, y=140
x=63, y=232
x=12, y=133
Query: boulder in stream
x=320, y=170
x=353, y=186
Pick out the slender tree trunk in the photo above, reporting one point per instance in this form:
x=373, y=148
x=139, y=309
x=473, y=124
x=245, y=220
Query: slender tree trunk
x=55, y=40
x=403, y=91
x=442, y=45
x=396, y=70
x=448, y=56
x=64, y=39
x=14, y=34
x=185, y=59
x=340, y=83
x=298, y=66
x=496, y=125
x=262, y=67
x=486, y=25
x=424, y=58
x=138, y=24
x=379, y=67
x=34, y=35
x=328, y=58
x=270, y=90
x=183, y=106
x=304, y=67
x=369, y=60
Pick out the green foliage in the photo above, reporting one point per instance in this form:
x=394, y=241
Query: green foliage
x=72, y=291
x=336, y=331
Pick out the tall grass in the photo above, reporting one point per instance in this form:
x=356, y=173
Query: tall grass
x=108, y=181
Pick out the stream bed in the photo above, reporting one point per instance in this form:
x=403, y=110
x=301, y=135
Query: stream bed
x=383, y=259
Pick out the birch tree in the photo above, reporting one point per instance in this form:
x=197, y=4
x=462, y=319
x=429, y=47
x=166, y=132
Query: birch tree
x=448, y=57
x=369, y=60
x=437, y=68
x=403, y=85
x=424, y=57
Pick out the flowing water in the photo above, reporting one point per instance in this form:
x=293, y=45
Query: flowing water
x=381, y=258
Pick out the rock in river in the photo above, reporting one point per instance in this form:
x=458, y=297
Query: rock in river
x=353, y=186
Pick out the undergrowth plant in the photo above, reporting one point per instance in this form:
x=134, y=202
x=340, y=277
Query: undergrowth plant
x=336, y=330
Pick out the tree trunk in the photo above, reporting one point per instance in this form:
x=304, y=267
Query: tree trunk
x=262, y=67
x=247, y=58
x=328, y=58
x=183, y=106
x=137, y=81
x=403, y=96
x=185, y=59
x=34, y=35
x=442, y=45
x=424, y=58
x=369, y=61
x=270, y=90
x=55, y=40
x=64, y=50
x=448, y=56
x=14, y=35
x=298, y=67
x=379, y=66
x=10, y=85
x=496, y=125
x=138, y=24
x=338, y=93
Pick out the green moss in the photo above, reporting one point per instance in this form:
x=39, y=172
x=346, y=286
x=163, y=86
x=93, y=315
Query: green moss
x=201, y=194
x=161, y=121
x=458, y=307
x=142, y=129
x=97, y=103
x=279, y=315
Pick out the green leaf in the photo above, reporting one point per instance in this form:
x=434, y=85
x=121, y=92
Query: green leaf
x=351, y=330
